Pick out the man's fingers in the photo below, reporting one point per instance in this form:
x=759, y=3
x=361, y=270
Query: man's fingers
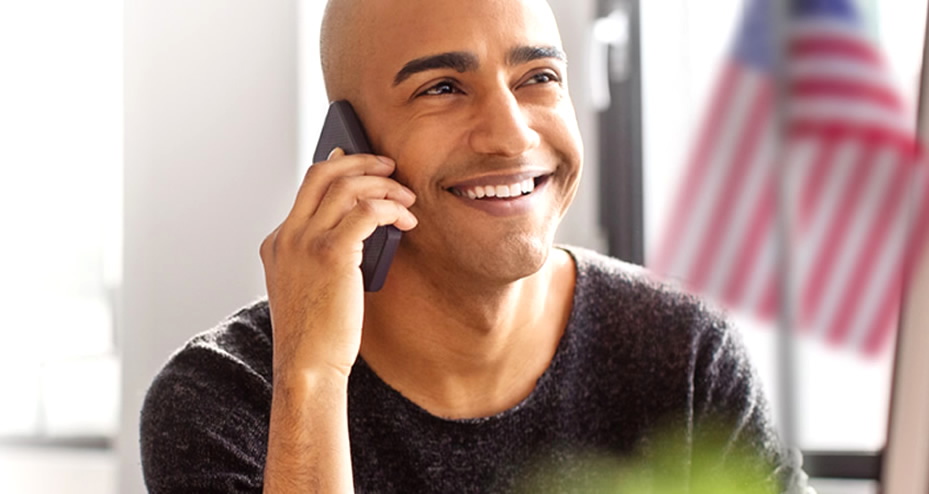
x=321, y=175
x=345, y=193
x=369, y=214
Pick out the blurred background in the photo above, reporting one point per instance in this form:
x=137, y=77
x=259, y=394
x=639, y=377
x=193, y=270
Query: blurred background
x=147, y=147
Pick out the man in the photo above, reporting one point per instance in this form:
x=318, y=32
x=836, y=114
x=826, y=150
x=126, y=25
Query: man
x=488, y=355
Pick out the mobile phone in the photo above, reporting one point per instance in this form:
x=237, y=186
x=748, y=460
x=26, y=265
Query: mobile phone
x=343, y=129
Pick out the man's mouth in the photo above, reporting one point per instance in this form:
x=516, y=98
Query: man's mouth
x=516, y=188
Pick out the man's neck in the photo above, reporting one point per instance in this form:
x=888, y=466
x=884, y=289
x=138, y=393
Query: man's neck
x=462, y=352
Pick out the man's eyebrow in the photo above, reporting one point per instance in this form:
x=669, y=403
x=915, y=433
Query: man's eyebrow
x=523, y=54
x=460, y=61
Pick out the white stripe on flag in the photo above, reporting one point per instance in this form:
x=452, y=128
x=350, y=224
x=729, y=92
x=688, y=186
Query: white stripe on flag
x=830, y=67
x=847, y=111
x=763, y=270
x=746, y=202
x=798, y=161
x=850, y=255
x=802, y=155
x=888, y=262
x=719, y=166
x=819, y=27
x=810, y=240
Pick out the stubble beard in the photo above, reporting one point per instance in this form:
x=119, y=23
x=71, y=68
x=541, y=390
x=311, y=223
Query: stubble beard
x=483, y=261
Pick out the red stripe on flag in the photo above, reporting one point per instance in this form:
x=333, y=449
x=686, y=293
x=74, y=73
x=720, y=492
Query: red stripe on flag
x=761, y=222
x=844, y=88
x=872, y=250
x=824, y=261
x=741, y=164
x=834, y=47
x=770, y=301
x=816, y=181
x=885, y=323
x=842, y=128
x=696, y=171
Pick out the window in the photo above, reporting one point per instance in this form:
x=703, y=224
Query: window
x=60, y=207
x=841, y=397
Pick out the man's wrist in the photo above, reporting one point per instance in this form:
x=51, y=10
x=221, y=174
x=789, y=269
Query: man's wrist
x=310, y=381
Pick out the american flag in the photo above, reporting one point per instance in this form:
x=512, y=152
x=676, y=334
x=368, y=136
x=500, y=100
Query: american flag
x=843, y=140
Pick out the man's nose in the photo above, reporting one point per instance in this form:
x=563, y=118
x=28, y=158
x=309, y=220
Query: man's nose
x=501, y=127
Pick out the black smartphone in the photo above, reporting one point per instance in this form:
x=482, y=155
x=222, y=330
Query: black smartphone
x=343, y=129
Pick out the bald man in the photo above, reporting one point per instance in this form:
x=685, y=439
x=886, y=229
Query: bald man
x=489, y=355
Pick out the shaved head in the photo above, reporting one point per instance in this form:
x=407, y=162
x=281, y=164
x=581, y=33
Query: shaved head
x=339, y=41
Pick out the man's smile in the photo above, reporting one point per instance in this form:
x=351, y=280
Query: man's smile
x=499, y=186
x=499, y=191
x=503, y=195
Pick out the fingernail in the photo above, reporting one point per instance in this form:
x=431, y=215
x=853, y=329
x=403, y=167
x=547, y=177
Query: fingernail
x=386, y=160
x=331, y=153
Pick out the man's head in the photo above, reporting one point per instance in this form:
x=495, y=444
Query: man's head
x=466, y=96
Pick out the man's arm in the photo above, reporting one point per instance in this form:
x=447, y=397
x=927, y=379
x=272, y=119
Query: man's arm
x=308, y=448
x=206, y=415
x=316, y=299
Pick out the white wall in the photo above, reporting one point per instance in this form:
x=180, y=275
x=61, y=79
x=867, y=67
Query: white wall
x=581, y=224
x=210, y=159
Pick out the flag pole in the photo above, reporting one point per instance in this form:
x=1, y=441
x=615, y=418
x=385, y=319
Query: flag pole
x=786, y=345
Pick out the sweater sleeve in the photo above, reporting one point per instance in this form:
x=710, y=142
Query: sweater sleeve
x=729, y=402
x=205, y=418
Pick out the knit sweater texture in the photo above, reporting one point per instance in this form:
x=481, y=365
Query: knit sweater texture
x=637, y=360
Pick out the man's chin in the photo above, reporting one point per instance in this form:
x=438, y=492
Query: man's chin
x=471, y=258
x=505, y=263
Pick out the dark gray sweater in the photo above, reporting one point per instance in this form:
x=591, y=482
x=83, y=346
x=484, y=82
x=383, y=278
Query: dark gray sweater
x=635, y=358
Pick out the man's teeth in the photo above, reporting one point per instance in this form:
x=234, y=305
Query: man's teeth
x=500, y=191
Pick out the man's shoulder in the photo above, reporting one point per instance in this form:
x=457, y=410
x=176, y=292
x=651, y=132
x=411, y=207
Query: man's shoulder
x=208, y=405
x=608, y=282
x=236, y=353
x=625, y=310
x=605, y=270
x=243, y=339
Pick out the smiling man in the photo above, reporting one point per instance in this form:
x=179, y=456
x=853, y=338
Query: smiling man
x=490, y=354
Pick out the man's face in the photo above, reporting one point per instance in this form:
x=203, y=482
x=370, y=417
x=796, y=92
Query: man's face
x=470, y=98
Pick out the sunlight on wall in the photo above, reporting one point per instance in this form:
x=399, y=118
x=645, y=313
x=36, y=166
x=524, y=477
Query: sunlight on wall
x=60, y=207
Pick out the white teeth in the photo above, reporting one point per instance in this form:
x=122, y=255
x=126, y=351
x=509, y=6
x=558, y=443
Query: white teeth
x=501, y=191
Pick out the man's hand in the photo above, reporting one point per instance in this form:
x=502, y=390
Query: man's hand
x=316, y=296
x=312, y=259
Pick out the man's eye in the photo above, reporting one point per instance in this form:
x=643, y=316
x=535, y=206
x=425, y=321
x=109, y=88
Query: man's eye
x=541, y=78
x=444, y=87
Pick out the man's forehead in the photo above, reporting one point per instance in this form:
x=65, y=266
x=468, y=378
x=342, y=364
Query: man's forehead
x=398, y=10
x=485, y=28
x=435, y=26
